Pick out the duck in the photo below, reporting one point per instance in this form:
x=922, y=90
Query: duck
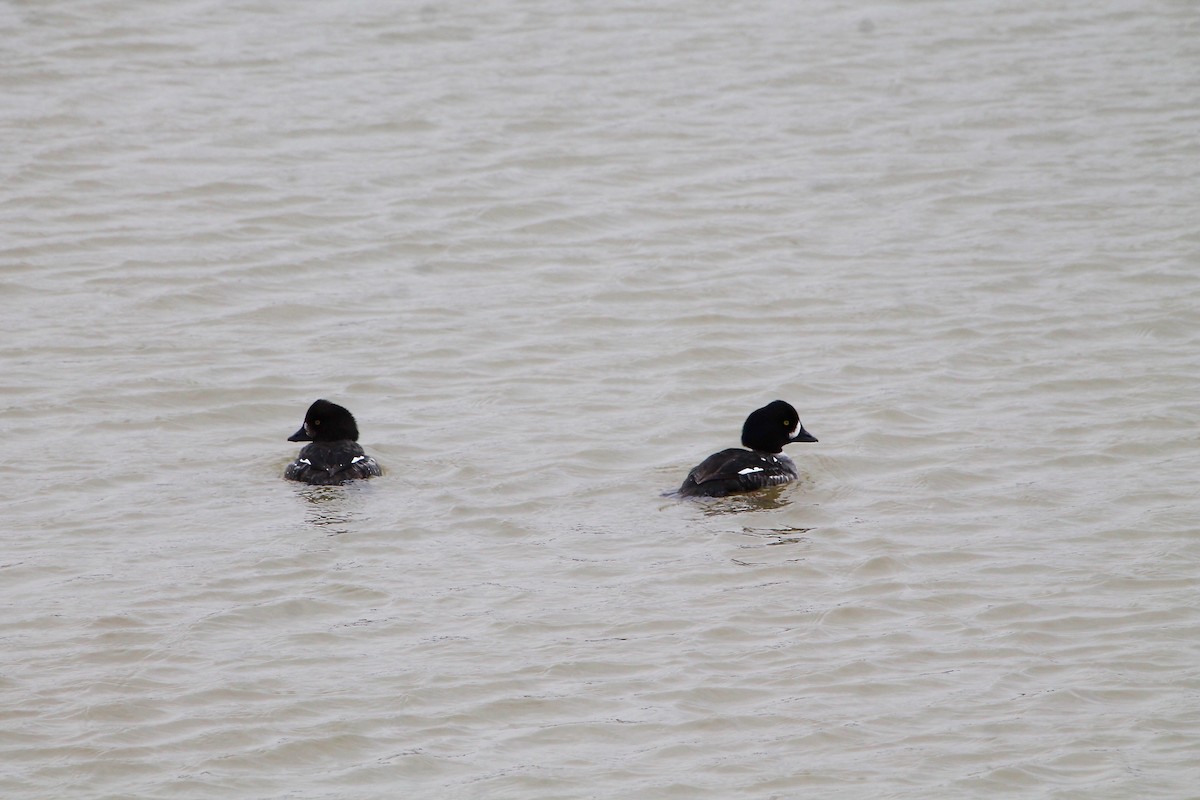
x=762, y=464
x=335, y=456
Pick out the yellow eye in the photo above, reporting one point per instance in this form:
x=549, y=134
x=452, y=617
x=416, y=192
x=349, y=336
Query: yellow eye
x=787, y=424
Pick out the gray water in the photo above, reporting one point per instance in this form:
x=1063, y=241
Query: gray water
x=551, y=254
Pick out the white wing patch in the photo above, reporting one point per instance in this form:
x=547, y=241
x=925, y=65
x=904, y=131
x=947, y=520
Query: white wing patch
x=749, y=470
x=357, y=459
x=304, y=461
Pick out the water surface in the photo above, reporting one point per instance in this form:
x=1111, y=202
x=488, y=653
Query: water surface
x=551, y=256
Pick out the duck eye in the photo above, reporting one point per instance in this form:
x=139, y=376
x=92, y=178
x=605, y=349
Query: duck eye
x=787, y=423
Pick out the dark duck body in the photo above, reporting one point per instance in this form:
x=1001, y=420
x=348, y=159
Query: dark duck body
x=735, y=471
x=335, y=455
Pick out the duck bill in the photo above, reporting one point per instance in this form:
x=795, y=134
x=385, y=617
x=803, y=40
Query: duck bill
x=300, y=436
x=803, y=436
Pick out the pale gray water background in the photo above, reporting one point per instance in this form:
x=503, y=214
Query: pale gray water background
x=551, y=254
